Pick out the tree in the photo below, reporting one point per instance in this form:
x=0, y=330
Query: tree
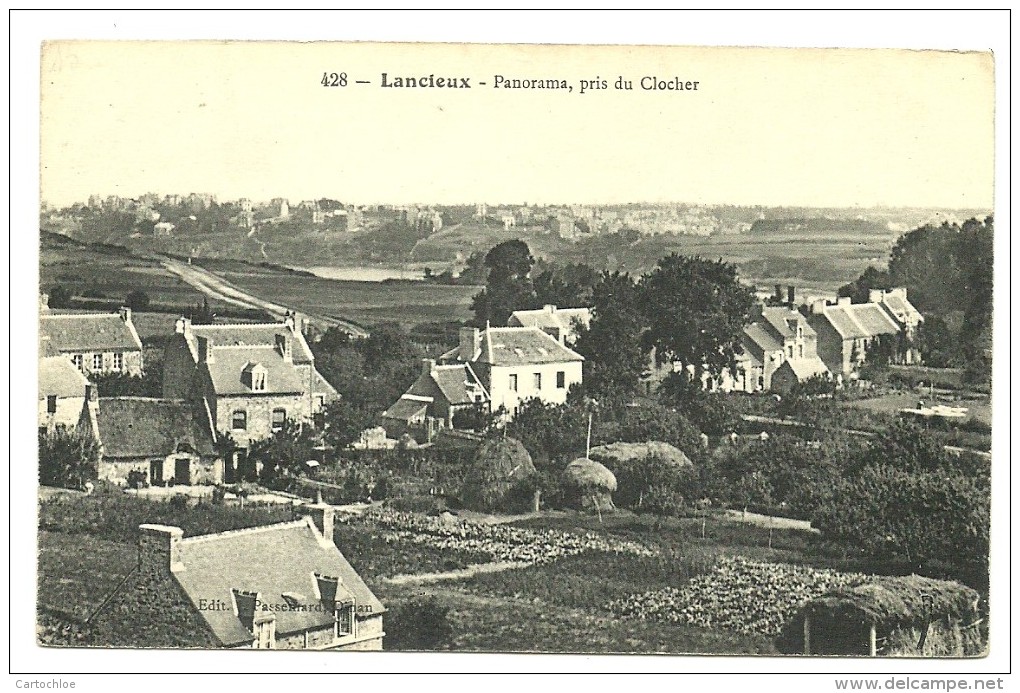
x=611, y=345
x=858, y=290
x=67, y=458
x=712, y=412
x=138, y=301
x=59, y=297
x=343, y=422
x=696, y=310
x=283, y=455
x=508, y=286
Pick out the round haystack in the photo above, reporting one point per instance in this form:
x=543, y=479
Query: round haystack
x=628, y=452
x=496, y=477
x=592, y=483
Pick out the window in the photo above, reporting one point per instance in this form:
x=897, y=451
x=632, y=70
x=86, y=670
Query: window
x=802, y=351
x=790, y=351
x=561, y=380
x=97, y=362
x=279, y=419
x=77, y=360
x=118, y=361
x=513, y=382
x=258, y=381
x=51, y=404
x=343, y=619
x=538, y=381
x=239, y=421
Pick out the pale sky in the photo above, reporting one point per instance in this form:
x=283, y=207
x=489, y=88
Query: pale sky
x=827, y=127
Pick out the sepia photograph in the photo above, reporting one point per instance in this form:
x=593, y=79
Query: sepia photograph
x=499, y=348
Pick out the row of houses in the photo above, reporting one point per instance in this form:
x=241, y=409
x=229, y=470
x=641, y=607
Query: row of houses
x=242, y=380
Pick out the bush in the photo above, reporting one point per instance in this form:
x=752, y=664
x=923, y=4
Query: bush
x=421, y=624
x=67, y=458
x=137, y=300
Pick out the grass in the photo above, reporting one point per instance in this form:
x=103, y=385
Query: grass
x=366, y=303
x=75, y=575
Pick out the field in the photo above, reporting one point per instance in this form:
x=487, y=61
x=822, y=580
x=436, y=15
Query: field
x=570, y=570
x=366, y=303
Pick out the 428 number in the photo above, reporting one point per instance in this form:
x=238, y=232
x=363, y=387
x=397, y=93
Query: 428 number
x=334, y=79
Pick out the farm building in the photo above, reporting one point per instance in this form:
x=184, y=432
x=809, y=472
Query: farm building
x=889, y=616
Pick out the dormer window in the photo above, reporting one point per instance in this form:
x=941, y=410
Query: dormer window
x=255, y=377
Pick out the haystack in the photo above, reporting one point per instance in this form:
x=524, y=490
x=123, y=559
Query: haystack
x=628, y=452
x=591, y=483
x=496, y=479
x=886, y=615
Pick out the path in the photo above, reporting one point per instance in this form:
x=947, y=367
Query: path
x=459, y=574
x=216, y=287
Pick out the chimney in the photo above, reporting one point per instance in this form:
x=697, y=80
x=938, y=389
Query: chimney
x=91, y=393
x=469, y=337
x=843, y=301
x=818, y=306
x=900, y=291
x=44, y=303
x=290, y=320
x=427, y=366
x=779, y=293
x=791, y=296
x=205, y=350
x=875, y=295
x=327, y=585
x=322, y=515
x=549, y=308
x=125, y=314
x=159, y=549
x=246, y=603
x=283, y=344
x=182, y=326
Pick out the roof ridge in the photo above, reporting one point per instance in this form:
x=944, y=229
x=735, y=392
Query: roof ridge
x=291, y=524
x=233, y=325
x=43, y=316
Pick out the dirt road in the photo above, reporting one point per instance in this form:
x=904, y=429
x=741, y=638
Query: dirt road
x=222, y=290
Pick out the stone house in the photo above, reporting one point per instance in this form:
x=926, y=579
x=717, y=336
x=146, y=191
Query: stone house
x=99, y=343
x=515, y=364
x=170, y=441
x=251, y=378
x=63, y=391
x=894, y=302
x=846, y=331
x=493, y=369
x=282, y=586
x=780, y=341
x=560, y=323
x=432, y=401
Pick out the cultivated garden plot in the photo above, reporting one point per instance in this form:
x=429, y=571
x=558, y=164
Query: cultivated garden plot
x=495, y=542
x=749, y=597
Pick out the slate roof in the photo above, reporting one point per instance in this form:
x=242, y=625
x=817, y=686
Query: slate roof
x=561, y=318
x=903, y=309
x=141, y=427
x=762, y=341
x=58, y=376
x=68, y=333
x=320, y=385
x=454, y=383
x=806, y=367
x=406, y=409
x=229, y=363
x=873, y=319
x=256, y=334
x=843, y=322
x=272, y=560
x=522, y=346
x=777, y=317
